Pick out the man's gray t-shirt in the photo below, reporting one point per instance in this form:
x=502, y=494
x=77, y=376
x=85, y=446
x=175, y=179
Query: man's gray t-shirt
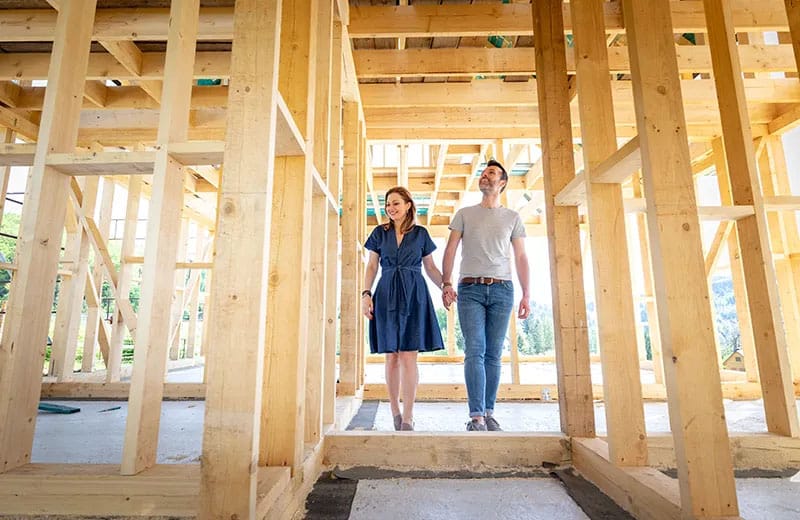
x=486, y=235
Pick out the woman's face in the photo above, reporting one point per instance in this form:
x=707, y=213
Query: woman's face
x=396, y=207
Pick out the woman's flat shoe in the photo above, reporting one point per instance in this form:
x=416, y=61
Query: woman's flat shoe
x=407, y=427
x=398, y=421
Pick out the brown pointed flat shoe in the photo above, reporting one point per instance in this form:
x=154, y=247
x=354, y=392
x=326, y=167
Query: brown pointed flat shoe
x=407, y=427
x=398, y=421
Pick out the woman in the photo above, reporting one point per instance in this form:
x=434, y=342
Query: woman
x=401, y=313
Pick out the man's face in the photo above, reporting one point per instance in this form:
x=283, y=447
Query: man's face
x=491, y=180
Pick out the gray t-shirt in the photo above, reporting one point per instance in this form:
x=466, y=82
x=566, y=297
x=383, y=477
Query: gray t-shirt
x=486, y=235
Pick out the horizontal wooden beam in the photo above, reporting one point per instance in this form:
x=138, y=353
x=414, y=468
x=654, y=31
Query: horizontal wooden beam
x=98, y=490
x=623, y=163
x=645, y=492
x=102, y=66
x=115, y=391
x=216, y=23
x=515, y=19
x=445, y=451
x=397, y=135
x=750, y=451
x=495, y=92
x=524, y=116
x=519, y=61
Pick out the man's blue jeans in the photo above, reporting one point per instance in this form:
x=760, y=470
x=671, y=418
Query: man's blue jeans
x=483, y=312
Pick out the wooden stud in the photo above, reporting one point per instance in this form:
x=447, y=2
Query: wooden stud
x=179, y=291
x=627, y=442
x=23, y=344
x=125, y=277
x=94, y=319
x=783, y=265
x=163, y=226
x=282, y=413
x=648, y=287
x=201, y=236
x=566, y=271
x=334, y=230
x=759, y=272
x=232, y=426
x=697, y=417
x=350, y=308
x=778, y=166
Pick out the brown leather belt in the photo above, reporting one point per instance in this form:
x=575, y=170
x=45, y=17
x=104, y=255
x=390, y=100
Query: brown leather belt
x=484, y=280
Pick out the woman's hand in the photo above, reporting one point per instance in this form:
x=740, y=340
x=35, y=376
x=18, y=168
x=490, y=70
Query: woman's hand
x=366, y=306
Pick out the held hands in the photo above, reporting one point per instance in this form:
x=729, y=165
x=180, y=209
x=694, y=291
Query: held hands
x=366, y=306
x=524, y=308
x=449, y=295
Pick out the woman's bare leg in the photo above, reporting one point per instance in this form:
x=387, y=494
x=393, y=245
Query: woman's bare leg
x=409, y=378
x=392, y=366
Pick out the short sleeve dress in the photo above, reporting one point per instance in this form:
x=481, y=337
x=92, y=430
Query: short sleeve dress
x=404, y=318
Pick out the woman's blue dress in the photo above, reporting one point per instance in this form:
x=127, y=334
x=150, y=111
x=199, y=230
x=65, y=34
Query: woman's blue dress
x=404, y=318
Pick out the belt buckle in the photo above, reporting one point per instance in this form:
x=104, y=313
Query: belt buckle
x=485, y=282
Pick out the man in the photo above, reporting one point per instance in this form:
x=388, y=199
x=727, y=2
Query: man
x=485, y=292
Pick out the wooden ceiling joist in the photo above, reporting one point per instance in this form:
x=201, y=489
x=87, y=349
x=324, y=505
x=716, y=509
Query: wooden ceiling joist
x=514, y=19
x=469, y=61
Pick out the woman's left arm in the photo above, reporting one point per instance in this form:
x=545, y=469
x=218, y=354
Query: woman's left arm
x=432, y=271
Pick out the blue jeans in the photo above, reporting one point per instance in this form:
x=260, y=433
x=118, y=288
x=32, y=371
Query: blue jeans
x=484, y=311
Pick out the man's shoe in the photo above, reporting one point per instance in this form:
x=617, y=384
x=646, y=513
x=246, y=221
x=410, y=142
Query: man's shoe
x=475, y=426
x=492, y=425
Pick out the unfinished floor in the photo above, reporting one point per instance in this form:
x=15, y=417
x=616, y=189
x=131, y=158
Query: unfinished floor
x=95, y=435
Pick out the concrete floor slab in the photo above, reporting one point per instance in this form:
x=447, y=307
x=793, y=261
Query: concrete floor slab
x=485, y=499
x=94, y=436
x=742, y=416
x=768, y=498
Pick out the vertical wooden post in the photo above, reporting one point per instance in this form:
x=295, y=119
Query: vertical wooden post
x=362, y=237
x=201, y=238
x=697, y=417
x=163, y=227
x=315, y=375
x=350, y=301
x=68, y=314
x=566, y=266
x=737, y=271
x=179, y=289
x=94, y=318
x=125, y=276
x=22, y=347
x=334, y=230
x=768, y=331
x=283, y=414
x=622, y=387
x=793, y=13
x=777, y=164
x=783, y=266
x=647, y=282
x=235, y=368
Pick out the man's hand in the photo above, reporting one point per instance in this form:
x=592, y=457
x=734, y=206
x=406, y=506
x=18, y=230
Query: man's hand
x=524, y=308
x=366, y=306
x=448, y=296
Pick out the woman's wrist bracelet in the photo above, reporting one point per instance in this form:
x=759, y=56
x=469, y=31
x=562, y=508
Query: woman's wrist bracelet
x=366, y=292
x=446, y=284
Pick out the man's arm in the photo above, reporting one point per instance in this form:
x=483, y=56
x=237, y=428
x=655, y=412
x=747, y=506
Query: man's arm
x=521, y=263
x=448, y=293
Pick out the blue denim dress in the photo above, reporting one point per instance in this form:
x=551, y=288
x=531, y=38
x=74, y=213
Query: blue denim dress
x=404, y=317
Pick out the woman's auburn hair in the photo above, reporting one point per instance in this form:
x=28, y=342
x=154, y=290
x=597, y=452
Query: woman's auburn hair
x=411, y=216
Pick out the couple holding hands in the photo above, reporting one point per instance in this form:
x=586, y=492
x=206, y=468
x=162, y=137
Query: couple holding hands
x=401, y=313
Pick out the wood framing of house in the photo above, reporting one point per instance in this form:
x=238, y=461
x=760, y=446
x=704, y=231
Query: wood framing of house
x=252, y=128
